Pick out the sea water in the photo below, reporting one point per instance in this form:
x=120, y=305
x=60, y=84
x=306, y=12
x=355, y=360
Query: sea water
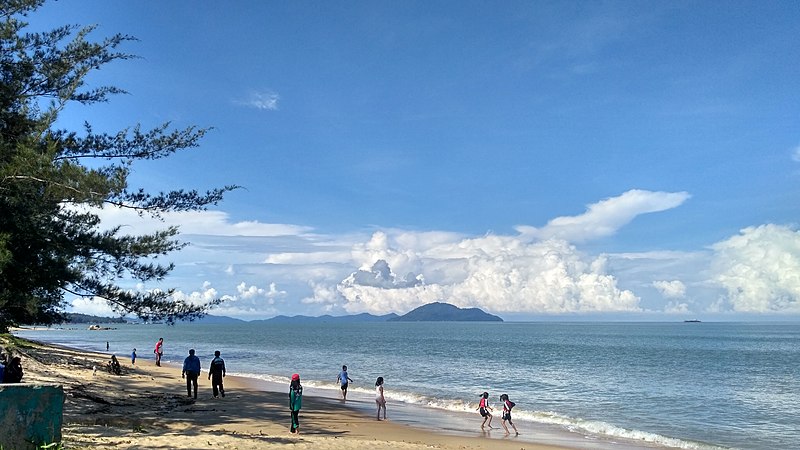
x=589, y=385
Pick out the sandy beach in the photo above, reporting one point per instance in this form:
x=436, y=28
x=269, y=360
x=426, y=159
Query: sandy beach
x=146, y=407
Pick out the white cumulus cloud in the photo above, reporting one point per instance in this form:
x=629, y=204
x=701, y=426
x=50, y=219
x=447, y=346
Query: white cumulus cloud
x=496, y=273
x=760, y=269
x=676, y=308
x=671, y=289
x=322, y=294
x=92, y=306
x=604, y=218
x=200, y=297
x=246, y=292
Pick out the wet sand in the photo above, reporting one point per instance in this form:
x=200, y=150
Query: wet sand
x=147, y=407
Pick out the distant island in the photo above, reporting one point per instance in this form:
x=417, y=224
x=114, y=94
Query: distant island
x=432, y=312
x=445, y=312
x=211, y=319
x=355, y=318
x=76, y=318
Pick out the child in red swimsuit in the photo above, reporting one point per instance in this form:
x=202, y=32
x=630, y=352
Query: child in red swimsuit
x=507, y=405
x=484, y=409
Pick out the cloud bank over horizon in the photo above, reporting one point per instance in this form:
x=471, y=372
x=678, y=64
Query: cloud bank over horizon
x=262, y=270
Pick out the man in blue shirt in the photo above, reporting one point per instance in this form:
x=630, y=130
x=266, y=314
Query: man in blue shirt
x=191, y=370
x=344, y=379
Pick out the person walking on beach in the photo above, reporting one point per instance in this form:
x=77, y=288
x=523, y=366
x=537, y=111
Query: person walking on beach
x=159, y=351
x=379, y=398
x=485, y=410
x=107, y=347
x=344, y=379
x=133, y=357
x=216, y=372
x=191, y=370
x=507, y=405
x=295, y=402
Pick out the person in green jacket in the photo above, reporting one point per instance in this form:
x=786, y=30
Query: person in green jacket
x=295, y=402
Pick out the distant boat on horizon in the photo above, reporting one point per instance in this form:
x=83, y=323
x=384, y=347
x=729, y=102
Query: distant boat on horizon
x=692, y=321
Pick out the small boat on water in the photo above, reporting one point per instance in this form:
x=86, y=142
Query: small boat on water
x=692, y=321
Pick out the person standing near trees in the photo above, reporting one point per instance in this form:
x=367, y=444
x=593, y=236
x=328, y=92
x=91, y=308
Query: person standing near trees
x=216, y=372
x=191, y=371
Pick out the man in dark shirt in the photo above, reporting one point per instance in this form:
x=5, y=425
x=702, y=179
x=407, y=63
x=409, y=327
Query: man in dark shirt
x=216, y=372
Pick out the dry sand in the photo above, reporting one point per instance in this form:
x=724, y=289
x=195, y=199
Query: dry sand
x=147, y=408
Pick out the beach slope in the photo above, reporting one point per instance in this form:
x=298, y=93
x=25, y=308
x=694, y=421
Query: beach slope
x=146, y=407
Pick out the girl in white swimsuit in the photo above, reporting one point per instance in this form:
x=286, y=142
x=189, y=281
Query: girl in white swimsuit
x=379, y=398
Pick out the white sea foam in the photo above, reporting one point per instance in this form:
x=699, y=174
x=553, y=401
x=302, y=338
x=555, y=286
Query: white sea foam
x=606, y=429
x=587, y=428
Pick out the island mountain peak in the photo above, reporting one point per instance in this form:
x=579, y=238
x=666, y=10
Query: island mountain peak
x=445, y=312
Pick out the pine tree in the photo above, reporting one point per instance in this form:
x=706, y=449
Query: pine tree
x=52, y=181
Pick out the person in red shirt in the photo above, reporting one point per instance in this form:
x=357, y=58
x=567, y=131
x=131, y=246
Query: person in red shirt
x=159, y=351
x=485, y=410
x=507, y=405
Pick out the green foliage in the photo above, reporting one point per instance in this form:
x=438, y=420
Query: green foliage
x=13, y=343
x=50, y=179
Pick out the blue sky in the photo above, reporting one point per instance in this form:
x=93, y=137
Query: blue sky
x=534, y=159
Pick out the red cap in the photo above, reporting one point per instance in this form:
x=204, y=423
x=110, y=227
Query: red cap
x=296, y=377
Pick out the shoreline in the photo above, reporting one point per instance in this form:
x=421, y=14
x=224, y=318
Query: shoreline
x=147, y=407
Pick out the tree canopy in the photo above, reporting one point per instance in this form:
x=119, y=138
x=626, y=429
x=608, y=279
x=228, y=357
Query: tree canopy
x=53, y=181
